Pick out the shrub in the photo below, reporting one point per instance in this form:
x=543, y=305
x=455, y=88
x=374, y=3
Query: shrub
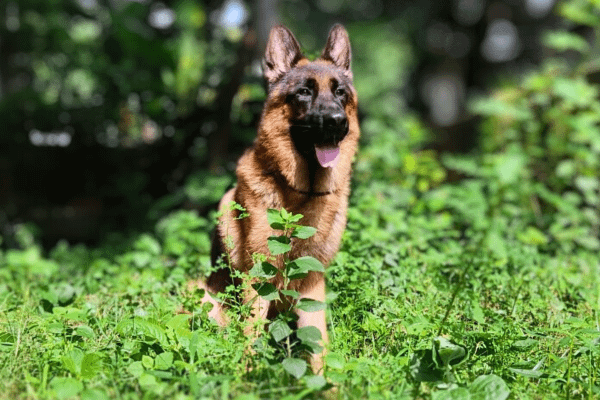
x=542, y=138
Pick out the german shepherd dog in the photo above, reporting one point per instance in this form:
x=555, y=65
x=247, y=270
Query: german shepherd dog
x=301, y=160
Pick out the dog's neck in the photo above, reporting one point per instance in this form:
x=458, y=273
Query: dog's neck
x=292, y=170
x=281, y=181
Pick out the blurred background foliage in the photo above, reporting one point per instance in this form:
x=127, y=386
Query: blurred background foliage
x=115, y=112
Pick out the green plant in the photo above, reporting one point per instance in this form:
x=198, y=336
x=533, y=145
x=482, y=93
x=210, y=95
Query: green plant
x=305, y=339
x=543, y=136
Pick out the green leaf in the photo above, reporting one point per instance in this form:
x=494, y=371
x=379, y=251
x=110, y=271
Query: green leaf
x=91, y=365
x=279, y=244
x=147, y=244
x=316, y=382
x=279, y=330
x=66, y=388
x=294, y=366
x=275, y=219
x=532, y=236
x=309, y=334
x=93, y=394
x=147, y=381
x=147, y=362
x=423, y=367
x=72, y=361
x=335, y=361
x=563, y=41
x=138, y=326
x=587, y=183
x=8, y=339
x=448, y=352
x=489, y=387
x=509, y=167
x=163, y=360
x=463, y=164
x=180, y=322
x=203, y=187
x=310, y=305
x=263, y=270
x=291, y=293
x=304, y=232
x=529, y=373
x=85, y=332
x=456, y=393
x=589, y=242
x=525, y=344
x=310, y=337
x=136, y=369
x=291, y=218
x=580, y=14
x=85, y=30
x=476, y=312
x=300, y=267
x=193, y=346
x=490, y=106
x=566, y=169
x=496, y=244
x=576, y=90
x=266, y=290
x=307, y=263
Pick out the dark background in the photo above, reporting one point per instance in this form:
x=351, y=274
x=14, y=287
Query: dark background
x=113, y=113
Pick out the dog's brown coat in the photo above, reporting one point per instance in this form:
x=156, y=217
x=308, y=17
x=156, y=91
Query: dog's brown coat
x=273, y=174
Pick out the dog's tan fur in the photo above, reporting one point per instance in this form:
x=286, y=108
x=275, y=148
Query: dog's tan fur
x=273, y=174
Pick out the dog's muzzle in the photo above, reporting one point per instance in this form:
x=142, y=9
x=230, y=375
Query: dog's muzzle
x=333, y=129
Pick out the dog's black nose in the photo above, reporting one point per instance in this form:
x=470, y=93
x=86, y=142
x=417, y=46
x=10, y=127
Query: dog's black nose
x=335, y=120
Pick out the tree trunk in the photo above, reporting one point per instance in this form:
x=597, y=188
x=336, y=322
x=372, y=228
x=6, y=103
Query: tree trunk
x=266, y=15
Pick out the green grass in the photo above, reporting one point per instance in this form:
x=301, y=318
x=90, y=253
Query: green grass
x=419, y=307
x=482, y=289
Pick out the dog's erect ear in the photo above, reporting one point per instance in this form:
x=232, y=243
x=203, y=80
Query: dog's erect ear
x=282, y=54
x=337, y=50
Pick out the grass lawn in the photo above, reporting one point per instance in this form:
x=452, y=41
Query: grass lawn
x=436, y=293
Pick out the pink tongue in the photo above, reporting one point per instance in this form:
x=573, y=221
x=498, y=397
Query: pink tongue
x=328, y=156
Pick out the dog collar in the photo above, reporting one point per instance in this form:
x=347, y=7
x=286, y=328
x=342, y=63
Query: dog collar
x=281, y=179
x=315, y=194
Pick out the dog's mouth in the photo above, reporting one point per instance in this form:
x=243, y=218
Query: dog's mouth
x=317, y=142
x=327, y=155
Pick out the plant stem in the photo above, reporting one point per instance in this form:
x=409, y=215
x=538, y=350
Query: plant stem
x=568, y=385
x=452, y=299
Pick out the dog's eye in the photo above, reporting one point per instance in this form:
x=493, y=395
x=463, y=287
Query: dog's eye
x=304, y=92
x=339, y=92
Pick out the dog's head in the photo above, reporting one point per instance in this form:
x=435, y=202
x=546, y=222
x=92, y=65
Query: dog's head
x=317, y=96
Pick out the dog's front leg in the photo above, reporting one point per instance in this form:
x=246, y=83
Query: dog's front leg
x=255, y=322
x=258, y=313
x=217, y=312
x=316, y=319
